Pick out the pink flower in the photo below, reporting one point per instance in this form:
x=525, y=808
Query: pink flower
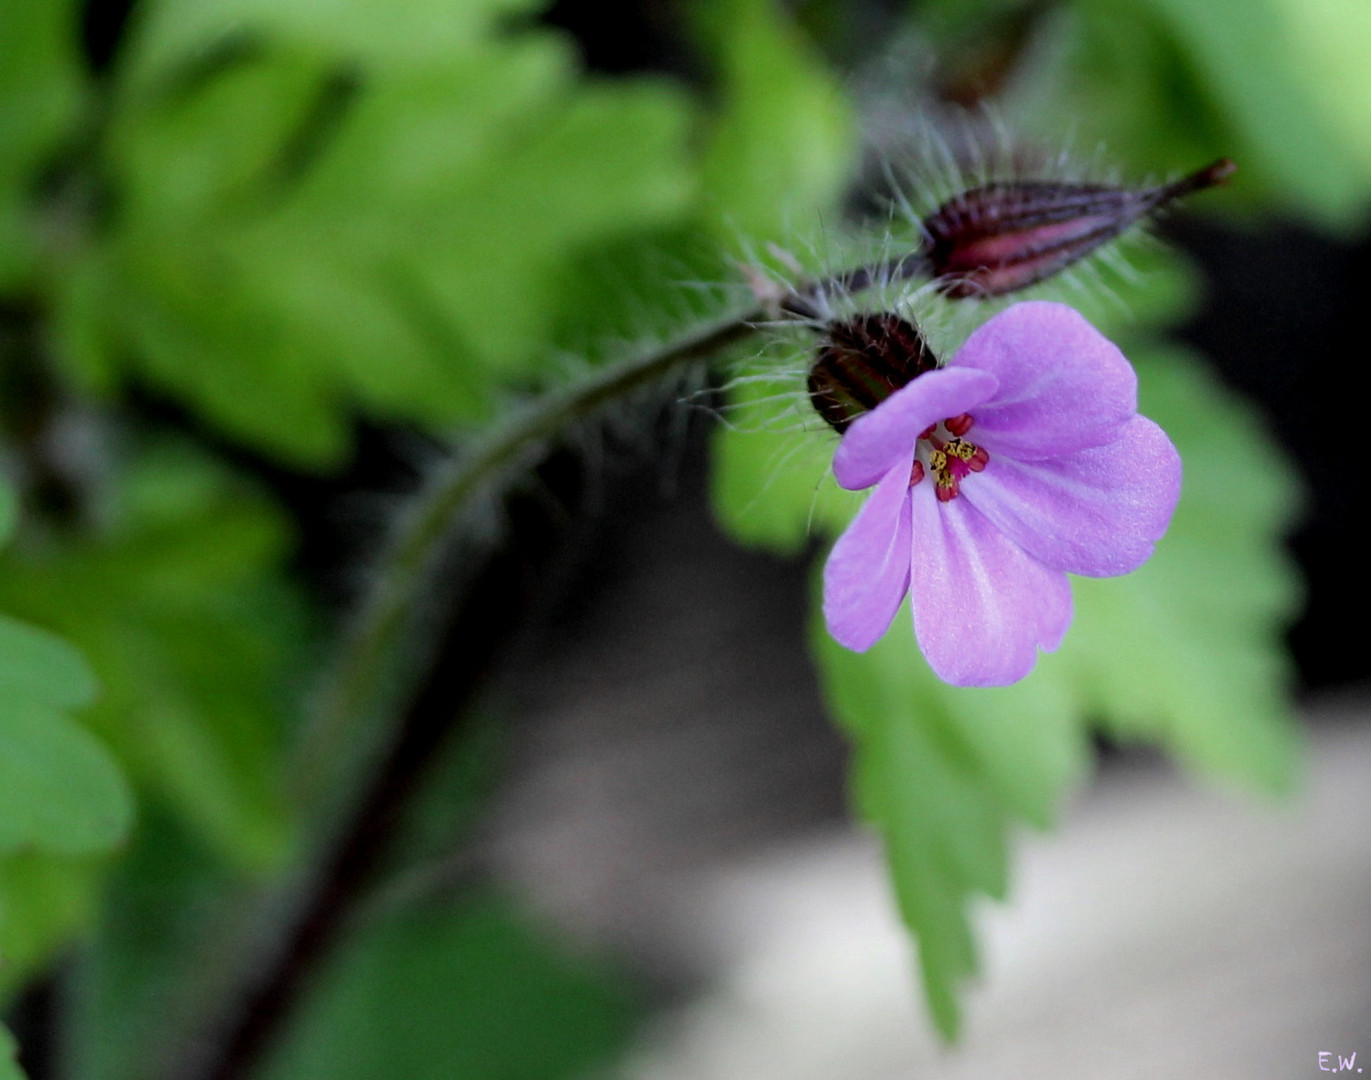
x=1022, y=460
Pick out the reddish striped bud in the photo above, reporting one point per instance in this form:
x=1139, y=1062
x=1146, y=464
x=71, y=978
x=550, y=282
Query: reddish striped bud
x=863, y=360
x=995, y=239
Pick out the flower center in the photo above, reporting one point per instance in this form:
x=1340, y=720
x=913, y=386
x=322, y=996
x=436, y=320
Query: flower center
x=943, y=451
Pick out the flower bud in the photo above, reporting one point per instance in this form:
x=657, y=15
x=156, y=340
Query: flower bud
x=863, y=360
x=1001, y=237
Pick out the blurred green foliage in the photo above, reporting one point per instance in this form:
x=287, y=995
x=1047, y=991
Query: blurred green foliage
x=41, y=97
x=178, y=606
x=278, y=218
x=64, y=801
x=388, y=1005
x=153, y=953
x=321, y=210
x=9, y=1068
x=1278, y=85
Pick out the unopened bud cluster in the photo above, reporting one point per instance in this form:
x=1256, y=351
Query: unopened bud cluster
x=987, y=241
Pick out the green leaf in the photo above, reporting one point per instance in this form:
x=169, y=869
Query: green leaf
x=425, y=32
x=442, y=991
x=1169, y=84
x=178, y=606
x=942, y=772
x=1117, y=74
x=9, y=1054
x=40, y=667
x=61, y=795
x=1328, y=45
x=44, y=900
x=40, y=96
x=59, y=788
x=783, y=143
x=606, y=164
x=780, y=147
x=310, y=224
x=1241, y=49
x=180, y=610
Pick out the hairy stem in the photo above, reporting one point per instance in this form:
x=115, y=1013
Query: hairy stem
x=364, y=749
x=365, y=662
x=368, y=742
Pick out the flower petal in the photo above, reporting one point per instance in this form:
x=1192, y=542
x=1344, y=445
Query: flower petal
x=1064, y=386
x=867, y=573
x=887, y=434
x=982, y=605
x=1096, y=512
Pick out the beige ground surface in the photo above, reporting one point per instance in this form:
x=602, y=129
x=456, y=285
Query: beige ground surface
x=1165, y=933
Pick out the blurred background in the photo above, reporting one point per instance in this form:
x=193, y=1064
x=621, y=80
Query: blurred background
x=265, y=268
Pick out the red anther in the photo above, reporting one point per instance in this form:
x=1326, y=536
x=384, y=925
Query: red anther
x=947, y=490
x=959, y=425
x=978, y=460
x=917, y=473
x=927, y=432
